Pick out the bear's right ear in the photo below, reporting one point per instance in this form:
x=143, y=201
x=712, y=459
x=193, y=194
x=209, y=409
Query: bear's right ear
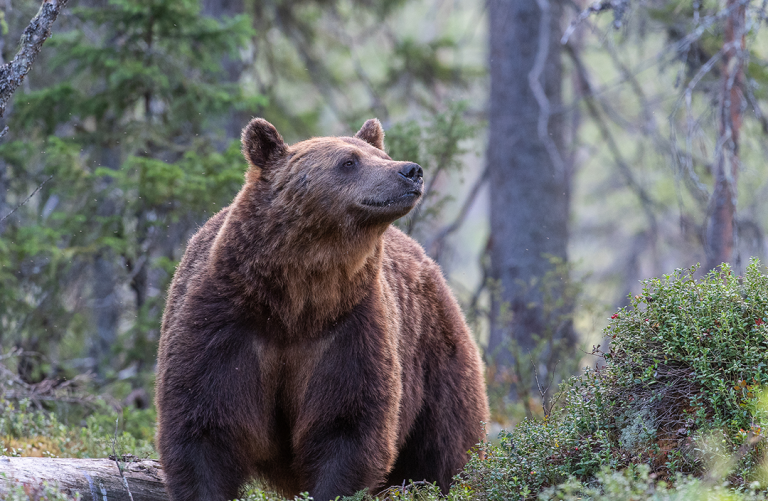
x=262, y=144
x=372, y=133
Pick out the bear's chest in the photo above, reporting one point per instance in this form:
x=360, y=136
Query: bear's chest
x=286, y=370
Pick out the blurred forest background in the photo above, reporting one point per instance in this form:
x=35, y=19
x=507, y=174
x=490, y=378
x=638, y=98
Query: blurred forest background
x=570, y=149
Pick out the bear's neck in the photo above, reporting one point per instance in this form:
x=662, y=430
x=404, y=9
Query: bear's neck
x=283, y=268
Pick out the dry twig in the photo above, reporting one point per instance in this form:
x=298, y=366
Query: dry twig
x=47, y=390
x=435, y=246
x=618, y=7
x=117, y=461
x=543, y=392
x=26, y=199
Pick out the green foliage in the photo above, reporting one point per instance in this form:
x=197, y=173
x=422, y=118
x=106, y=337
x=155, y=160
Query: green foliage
x=692, y=356
x=679, y=392
x=29, y=431
x=437, y=146
x=421, y=61
x=353, y=60
x=127, y=130
x=533, y=455
x=154, y=64
x=40, y=492
x=637, y=483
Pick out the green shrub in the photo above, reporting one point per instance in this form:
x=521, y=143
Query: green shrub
x=638, y=484
x=688, y=358
x=40, y=492
x=533, y=455
x=678, y=392
x=29, y=431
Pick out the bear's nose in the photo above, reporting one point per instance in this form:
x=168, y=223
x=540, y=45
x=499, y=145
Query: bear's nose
x=412, y=171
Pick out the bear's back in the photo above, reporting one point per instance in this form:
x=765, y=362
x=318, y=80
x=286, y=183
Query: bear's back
x=418, y=282
x=193, y=266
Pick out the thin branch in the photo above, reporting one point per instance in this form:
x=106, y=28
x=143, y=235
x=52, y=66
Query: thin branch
x=752, y=101
x=26, y=200
x=543, y=392
x=117, y=462
x=534, y=81
x=684, y=162
x=705, y=68
x=618, y=7
x=436, y=245
x=39, y=29
x=483, y=284
x=624, y=169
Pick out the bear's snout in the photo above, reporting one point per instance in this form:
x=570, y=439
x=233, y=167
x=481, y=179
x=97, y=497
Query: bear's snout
x=412, y=172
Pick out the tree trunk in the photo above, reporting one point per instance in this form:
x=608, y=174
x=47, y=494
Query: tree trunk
x=93, y=479
x=106, y=307
x=721, y=228
x=233, y=67
x=530, y=183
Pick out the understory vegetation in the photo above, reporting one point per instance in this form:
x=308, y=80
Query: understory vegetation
x=675, y=409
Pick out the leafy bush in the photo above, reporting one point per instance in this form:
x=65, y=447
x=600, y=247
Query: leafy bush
x=40, y=492
x=28, y=431
x=688, y=357
x=637, y=483
x=678, y=393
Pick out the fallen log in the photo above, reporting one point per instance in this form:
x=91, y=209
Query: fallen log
x=93, y=479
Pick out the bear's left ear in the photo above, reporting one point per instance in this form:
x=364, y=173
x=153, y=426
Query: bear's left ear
x=262, y=144
x=372, y=133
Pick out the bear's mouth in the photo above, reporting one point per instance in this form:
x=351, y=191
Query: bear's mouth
x=409, y=195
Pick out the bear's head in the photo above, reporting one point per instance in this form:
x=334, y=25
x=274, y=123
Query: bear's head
x=334, y=183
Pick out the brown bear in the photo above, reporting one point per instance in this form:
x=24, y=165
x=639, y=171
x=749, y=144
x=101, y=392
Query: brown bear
x=307, y=342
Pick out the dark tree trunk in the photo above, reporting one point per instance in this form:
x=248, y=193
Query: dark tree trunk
x=233, y=67
x=530, y=183
x=106, y=305
x=721, y=227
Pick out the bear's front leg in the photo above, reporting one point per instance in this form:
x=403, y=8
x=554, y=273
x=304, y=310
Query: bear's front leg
x=339, y=461
x=211, y=425
x=202, y=466
x=345, y=437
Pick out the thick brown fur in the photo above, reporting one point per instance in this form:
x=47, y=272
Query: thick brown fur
x=307, y=342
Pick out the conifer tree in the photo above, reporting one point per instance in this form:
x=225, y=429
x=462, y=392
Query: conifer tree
x=123, y=128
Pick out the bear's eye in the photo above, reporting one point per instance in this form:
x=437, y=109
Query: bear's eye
x=348, y=164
